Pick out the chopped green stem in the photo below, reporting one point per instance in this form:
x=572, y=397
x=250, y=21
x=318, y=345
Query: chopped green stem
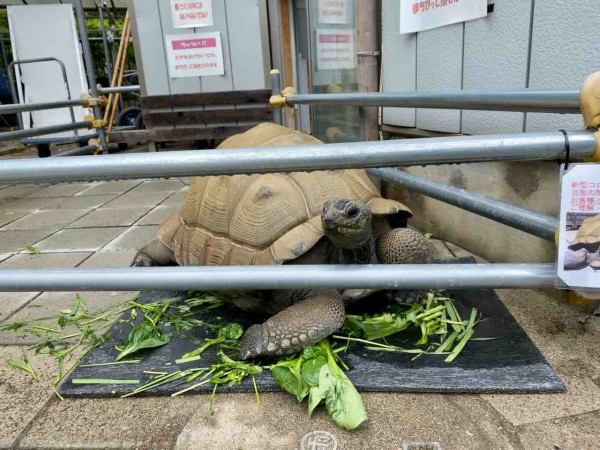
x=102, y=381
x=132, y=361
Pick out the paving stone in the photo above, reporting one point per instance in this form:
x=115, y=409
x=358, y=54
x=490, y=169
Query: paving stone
x=439, y=249
x=42, y=260
x=177, y=198
x=78, y=239
x=110, y=187
x=59, y=190
x=132, y=239
x=129, y=200
x=7, y=217
x=456, y=422
x=19, y=190
x=52, y=220
x=159, y=214
x=20, y=397
x=141, y=423
x=459, y=252
x=572, y=433
x=15, y=241
x=110, y=217
x=83, y=201
x=49, y=304
x=110, y=259
x=157, y=186
x=186, y=180
x=11, y=302
x=31, y=204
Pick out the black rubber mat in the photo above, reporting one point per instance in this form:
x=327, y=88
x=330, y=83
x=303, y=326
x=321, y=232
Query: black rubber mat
x=508, y=364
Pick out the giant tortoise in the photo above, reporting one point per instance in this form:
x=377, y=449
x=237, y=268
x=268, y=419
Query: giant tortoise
x=584, y=250
x=324, y=217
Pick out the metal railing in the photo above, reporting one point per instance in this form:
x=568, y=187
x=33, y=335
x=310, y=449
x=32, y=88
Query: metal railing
x=382, y=276
x=523, y=219
x=118, y=89
x=526, y=100
x=31, y=132
x=410, y=152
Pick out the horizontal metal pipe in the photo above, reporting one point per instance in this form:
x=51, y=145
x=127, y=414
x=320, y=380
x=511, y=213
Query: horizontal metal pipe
x=118, y=89
x=78, y=151
x=409, y=152
x=435, y=276
x=523, y=219
x=527, y=100
x=19, y=134
x=22, y=107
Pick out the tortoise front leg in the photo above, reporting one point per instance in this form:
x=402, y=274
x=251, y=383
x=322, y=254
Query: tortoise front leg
x=304, y=323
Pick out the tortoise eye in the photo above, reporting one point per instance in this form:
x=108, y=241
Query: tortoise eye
x=352, y=213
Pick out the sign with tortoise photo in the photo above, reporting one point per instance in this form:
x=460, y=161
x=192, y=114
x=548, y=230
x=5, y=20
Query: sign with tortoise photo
x=579, y=234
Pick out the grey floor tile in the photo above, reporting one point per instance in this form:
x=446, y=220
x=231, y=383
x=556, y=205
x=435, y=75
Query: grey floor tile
x=79, y=239
x=7, y=217
x=158, y=214
x=47, y=220
x=110, y=217
x=84, y=201
x=15, y=241
x=44, y=260
x=110, y=187
x=30, y=204
x=133, y=239
x=110, y=259
x=177, y=198
x=19, y=190
x=130, y=200
x=158, y=186
x=11, y=302
x=59, y=190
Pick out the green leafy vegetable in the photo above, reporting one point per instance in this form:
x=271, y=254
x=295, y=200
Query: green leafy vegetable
x=32, y=249
x=230, y=332
x=145, y=335
x=24, y=365
x=316, y=374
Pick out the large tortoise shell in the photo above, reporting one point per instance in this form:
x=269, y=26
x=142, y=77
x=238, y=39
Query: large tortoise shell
x=262, y=219
x=588, y=233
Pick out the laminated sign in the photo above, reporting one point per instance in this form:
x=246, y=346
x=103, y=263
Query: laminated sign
x=335, y=49
x=418, y=15
x=191, y=13
x=195, y=55
x=579, y=234
x=333, y=11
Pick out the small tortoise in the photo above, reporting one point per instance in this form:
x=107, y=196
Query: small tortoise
x=584, y=250
x=282, y=219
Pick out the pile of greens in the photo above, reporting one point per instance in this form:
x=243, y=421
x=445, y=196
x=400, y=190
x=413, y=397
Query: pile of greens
x=313, y=374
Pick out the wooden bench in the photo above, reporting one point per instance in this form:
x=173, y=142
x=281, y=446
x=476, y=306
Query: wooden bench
x=212, y=116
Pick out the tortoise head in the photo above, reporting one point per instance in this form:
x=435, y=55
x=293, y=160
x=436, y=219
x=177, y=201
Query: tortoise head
x=347, y=223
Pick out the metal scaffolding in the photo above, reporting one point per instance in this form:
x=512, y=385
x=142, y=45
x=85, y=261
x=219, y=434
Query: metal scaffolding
x=525, y=100
x=522, y=219
x=30, y=132
x=410, y=152
x=384, y=276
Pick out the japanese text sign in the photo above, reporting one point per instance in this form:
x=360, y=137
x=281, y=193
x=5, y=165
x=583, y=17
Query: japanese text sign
x=191, y=13
x=416, y=15
x=578, y=240
x=335, y=49
x=195, y=55
x=333, y=11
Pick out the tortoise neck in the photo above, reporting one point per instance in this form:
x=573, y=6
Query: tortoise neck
x=362, y=254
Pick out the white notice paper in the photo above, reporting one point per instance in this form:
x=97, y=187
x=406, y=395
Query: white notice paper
x=195, y=55
x=191, y=13
x=333, y=11
x=579, y=233
x=335, y=49
x=423, y=15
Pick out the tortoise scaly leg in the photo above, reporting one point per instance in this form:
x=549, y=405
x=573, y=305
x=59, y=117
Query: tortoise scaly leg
x=302, y=324
x=404, y=246
x=154, y=253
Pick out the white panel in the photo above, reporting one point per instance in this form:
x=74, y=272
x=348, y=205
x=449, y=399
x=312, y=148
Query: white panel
x=439, y=68
x=246, y=44
x=149, y=47
x=221, y=83
x=30, y=27
x=399, y=63
x=177, y=85
x=565, y=50
x=495, y=58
